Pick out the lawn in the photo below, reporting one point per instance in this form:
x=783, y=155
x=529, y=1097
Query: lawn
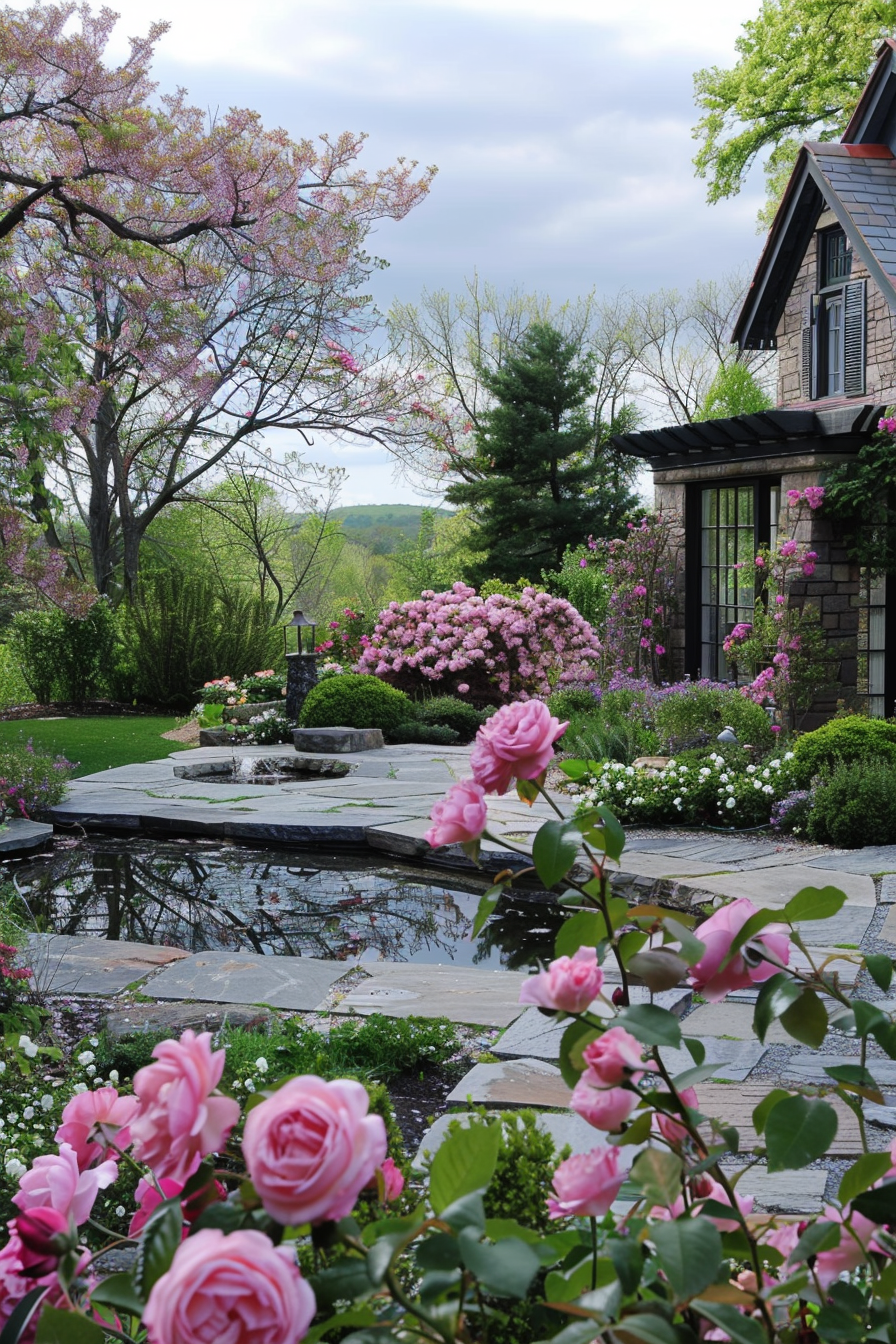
x=96, y=743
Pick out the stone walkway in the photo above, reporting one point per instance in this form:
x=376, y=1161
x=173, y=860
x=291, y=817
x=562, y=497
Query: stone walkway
x=383, y=803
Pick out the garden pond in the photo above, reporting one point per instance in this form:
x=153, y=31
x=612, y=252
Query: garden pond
x=205, y=896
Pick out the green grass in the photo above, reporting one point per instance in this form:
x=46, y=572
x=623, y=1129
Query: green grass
x=95, y=743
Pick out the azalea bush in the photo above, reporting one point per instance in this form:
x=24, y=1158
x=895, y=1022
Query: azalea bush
x=285, y=1218
x=486, y=650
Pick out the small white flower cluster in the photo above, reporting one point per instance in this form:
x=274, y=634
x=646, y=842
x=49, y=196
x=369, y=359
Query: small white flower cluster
x=714, y=790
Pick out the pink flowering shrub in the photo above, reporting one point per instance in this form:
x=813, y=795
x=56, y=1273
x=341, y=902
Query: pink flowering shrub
x=641, y=571
x=501, y=648
x=346, y=637
x=784, y=647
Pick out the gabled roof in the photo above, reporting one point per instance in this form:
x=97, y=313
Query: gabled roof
x=856, y=179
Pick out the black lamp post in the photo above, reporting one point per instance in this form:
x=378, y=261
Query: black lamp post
x=301, y=665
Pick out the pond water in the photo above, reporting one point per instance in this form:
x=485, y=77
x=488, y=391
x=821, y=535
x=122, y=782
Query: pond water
x=203, y=896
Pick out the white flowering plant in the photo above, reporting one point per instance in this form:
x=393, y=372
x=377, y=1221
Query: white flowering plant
x=698, y=787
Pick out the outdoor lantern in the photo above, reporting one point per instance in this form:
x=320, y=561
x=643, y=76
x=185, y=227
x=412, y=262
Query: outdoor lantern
x=298, y=623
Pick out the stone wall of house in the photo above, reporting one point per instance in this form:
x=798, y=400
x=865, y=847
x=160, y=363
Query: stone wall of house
x=834, y=588
x=880, y=350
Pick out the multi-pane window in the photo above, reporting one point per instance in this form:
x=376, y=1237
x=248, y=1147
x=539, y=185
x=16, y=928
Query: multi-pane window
x=872, y=671
x=735, y=519
x=833, y=334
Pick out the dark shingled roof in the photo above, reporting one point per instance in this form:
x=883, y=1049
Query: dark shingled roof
x=859, y=184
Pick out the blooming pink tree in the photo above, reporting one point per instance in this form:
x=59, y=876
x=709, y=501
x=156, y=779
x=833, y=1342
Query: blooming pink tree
x=488, y=649
x=238, y=321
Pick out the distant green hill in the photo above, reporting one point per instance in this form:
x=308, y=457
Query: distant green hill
x=380, y=527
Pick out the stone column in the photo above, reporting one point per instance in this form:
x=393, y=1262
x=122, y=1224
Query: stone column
x=301, y=676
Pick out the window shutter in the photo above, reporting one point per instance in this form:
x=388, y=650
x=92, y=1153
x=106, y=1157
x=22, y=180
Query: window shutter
x=854, y=339
x=807, y=350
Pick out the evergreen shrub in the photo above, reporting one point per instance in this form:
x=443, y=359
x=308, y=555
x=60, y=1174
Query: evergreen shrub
x=450, y=712
x=65, y=657
x=851, y=739
x=856, y=805
x=699, y=711
x=355, y=701
x=432, y=734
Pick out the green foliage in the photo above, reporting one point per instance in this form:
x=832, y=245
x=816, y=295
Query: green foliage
x=608, y=733
x=856, y=804
x=850, y=739
x=434, y=734
x=860, y=497
x=28, y=774
x=451, y=712
x=65, y=657
x=734, y=391
x=182, y=631
x=537, y=459
x=14, y=689
x=355, y=701
x=695, y=711
x=527, y=1159
x=800, y=69
x=564, y=704
x=586, y=586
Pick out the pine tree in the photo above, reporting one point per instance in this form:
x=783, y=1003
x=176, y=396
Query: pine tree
x=547, y=480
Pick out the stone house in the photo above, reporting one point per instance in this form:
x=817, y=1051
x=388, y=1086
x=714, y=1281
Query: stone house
x=823, y=296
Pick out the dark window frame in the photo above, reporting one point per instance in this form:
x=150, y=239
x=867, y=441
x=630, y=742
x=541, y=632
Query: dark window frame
x=834, y=258
x=762, y=487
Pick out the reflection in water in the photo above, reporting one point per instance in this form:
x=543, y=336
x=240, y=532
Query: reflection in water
x=203, y=897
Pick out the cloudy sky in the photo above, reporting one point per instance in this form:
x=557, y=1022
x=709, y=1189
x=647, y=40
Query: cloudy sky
x=561, y=130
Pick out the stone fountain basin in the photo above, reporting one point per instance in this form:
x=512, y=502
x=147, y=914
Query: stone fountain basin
x=263, y=770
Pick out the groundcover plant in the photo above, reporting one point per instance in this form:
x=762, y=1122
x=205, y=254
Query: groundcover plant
x=274, y=1225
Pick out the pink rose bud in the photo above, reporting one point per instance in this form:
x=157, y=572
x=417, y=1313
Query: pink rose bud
x=393, y=1180
x=239, y=1288
x=311, y=1147
x=516, y=743
x=569, y=985
x=460, y=816
x=671, y=1129
x=46, y=1235
x=747, y=967
x=614, y=1058
x=181, y=1120
x=586, y=1185
x=603, y=1107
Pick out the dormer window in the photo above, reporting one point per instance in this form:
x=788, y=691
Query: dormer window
x=833, y=337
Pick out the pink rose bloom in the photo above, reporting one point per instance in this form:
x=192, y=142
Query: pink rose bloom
x=516, y=743
x=746, y=968
x=86, y=1112
x=614, y=1058
x=15, y=1282
x=55, y=1182
x=851, y=1252
x=393, y=1180
x=659, y=650
x=603, y=1107
x=703, y=1187
x=148, y=1200
x=311, y=1147
x=461, y=815
x=179, y=1120
x=569, y=985
x=586, y=1184
x=236, y=1289
x=672, y=1130
x=788, y=548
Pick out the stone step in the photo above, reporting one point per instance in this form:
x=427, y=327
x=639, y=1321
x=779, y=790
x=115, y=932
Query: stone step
x=464, y=995
x=66, y=964
x=298, y=983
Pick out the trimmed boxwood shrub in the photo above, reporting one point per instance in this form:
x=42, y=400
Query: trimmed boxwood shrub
x=854, y=738
x=450, y=712
x=355, y=701
x=856, y=805
x=564, y=704
x=434, y=734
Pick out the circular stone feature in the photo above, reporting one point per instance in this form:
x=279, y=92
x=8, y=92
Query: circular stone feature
x=263, y=770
